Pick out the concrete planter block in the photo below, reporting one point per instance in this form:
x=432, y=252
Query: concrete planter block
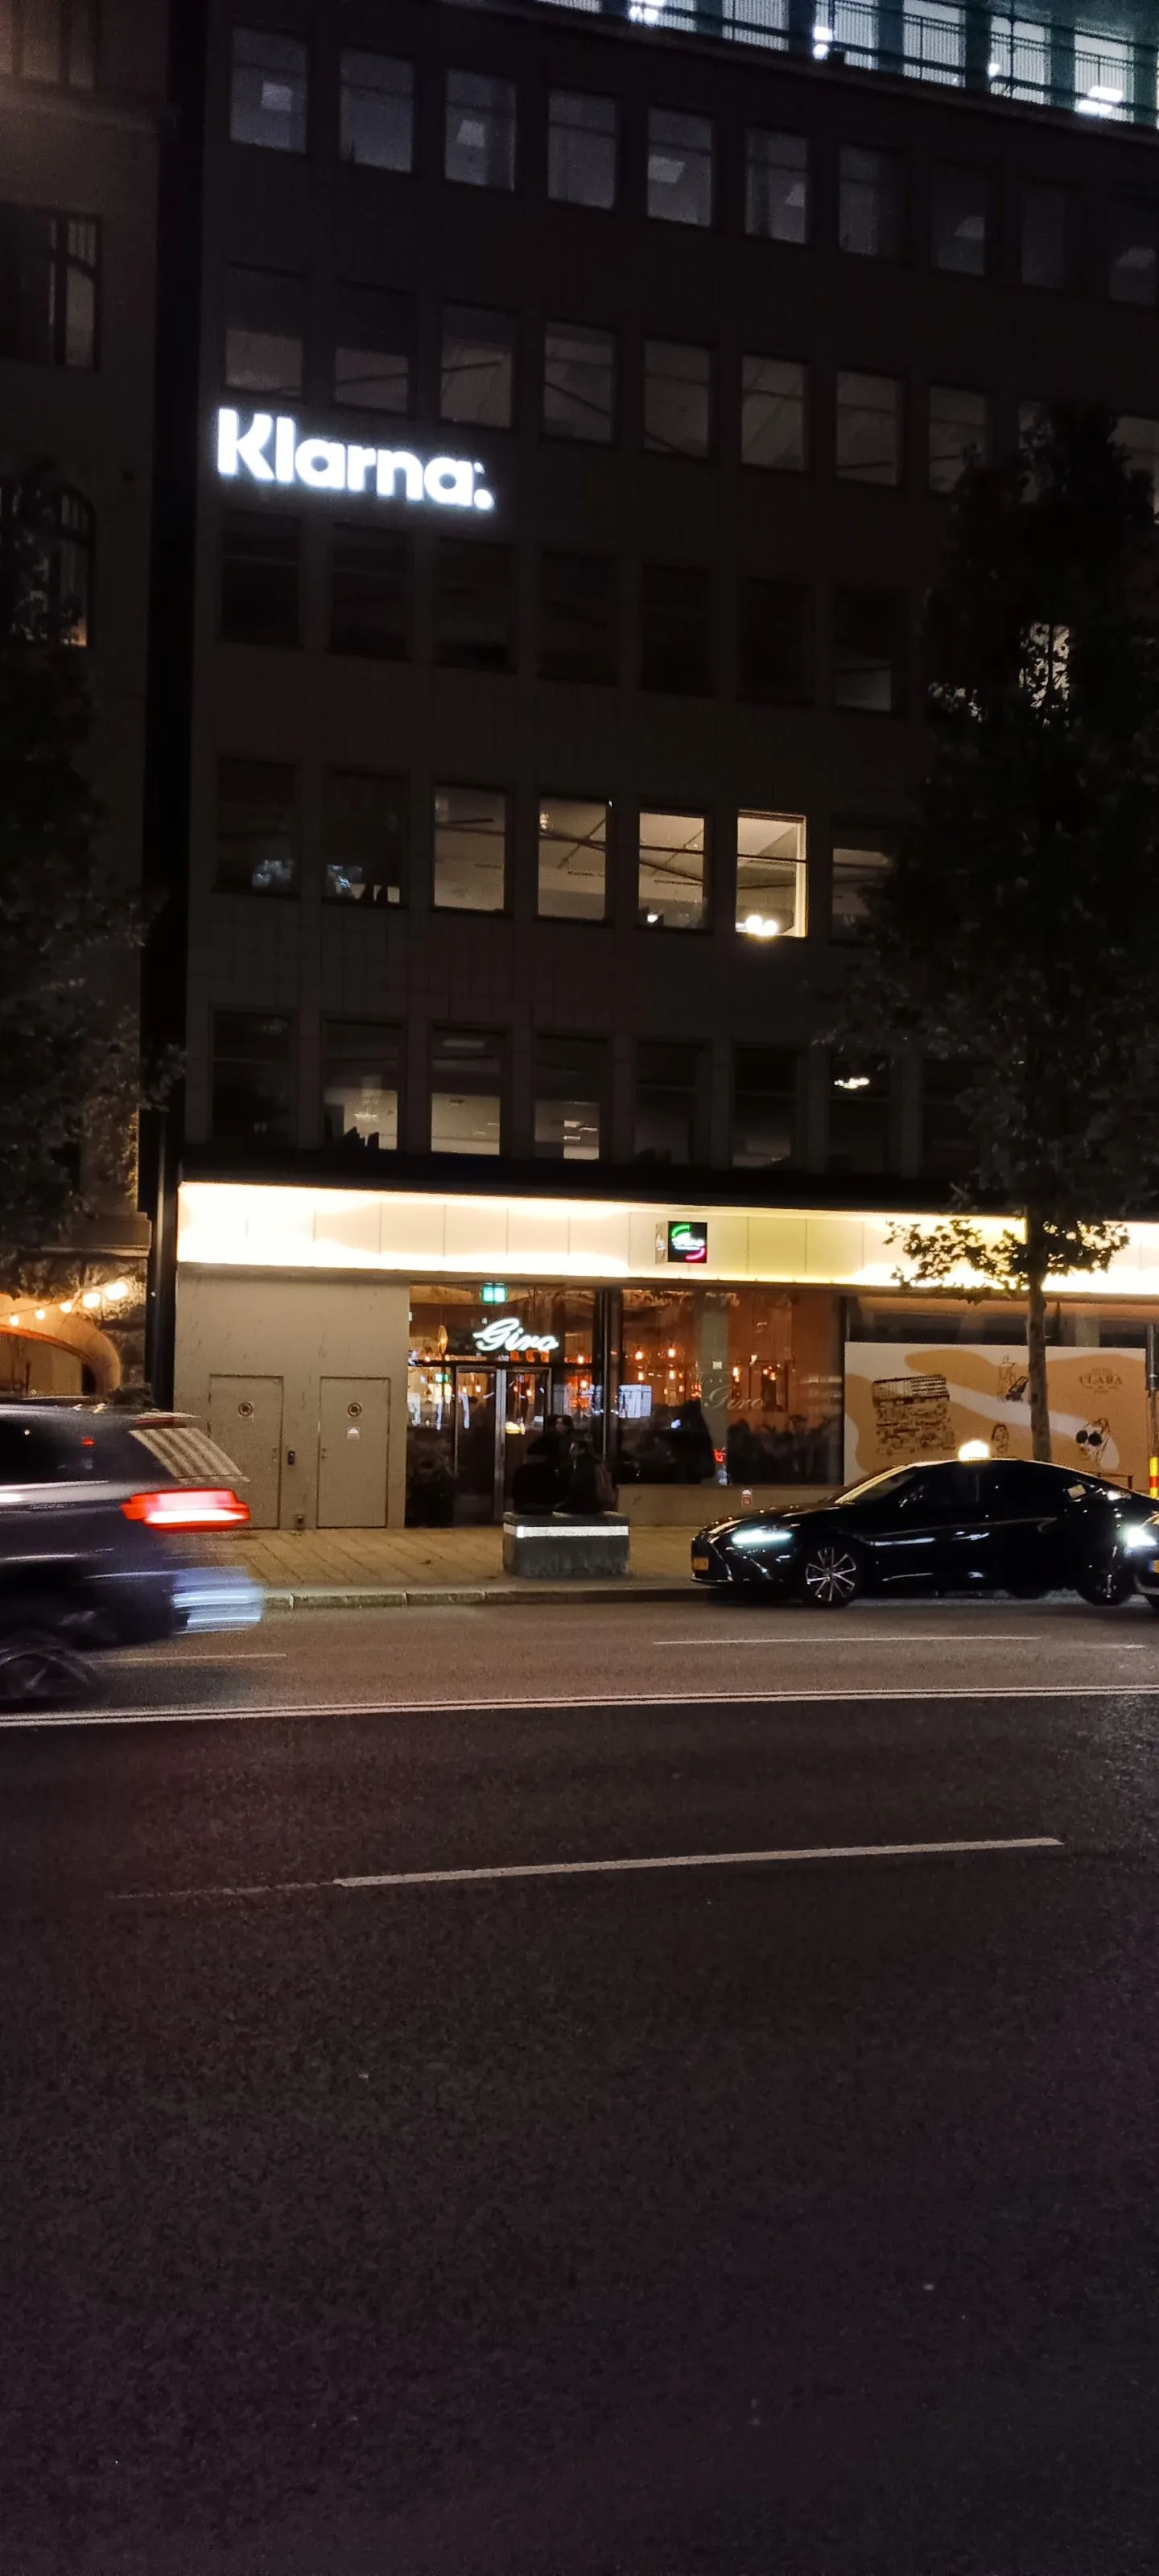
x=549, y=1546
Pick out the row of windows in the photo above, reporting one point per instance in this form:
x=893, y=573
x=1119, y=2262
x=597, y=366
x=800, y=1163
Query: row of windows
x=364, y=844
x=49, y=40
x=255, y=1096
x=578, y=616
x=872, y=219
x=49, y=278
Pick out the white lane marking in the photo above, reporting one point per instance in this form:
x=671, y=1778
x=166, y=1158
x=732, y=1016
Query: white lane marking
x=707, y=1698
x=983, y=1637
x=161, y=1659
x=598, y=1868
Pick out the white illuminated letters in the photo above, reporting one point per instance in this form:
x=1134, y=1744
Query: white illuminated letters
x=268, y=449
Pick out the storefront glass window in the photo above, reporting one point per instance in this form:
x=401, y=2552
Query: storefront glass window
x=737, y=1386
x=490, y=1363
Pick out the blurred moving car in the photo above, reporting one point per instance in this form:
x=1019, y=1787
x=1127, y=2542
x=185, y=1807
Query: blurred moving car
x=1004, y=1524
x=99, y=1513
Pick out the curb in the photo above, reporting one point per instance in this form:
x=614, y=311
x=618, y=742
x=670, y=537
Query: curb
x=498, y=1596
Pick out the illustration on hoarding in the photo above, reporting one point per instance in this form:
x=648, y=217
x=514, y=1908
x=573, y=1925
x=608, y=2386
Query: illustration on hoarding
x=924, y=1402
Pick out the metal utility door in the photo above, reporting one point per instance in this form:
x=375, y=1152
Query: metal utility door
x=353, y=1447
x=245, y=1419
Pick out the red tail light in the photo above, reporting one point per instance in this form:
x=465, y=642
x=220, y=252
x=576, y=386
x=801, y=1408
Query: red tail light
x=183, y=1507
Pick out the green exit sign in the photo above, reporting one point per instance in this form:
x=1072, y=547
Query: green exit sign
x=494, y=1292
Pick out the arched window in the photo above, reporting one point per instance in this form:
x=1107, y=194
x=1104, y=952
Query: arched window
x=50, y=40
x=47, y=561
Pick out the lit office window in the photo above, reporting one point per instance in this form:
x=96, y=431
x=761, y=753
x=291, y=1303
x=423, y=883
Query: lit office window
x=253, y=1077
x=578, y=617
x=870, y=203
x=868, y=428
x=581, y=149
x=480, y=136
x=579, y=383
x=671, y=890
x=573, y=859
x=1132, y=270
x=774, y=642
x=679, y=167
x=1045, y=242
x=360, y=1082
x=376, y=112
x=862, y=856
x=269, y=89
x=364, y=837
x=263, y=332
x=772, y=414
x=669, y=1101
x=934, y=41
x=776, y=185
x=959, y=434
x=467, y=1086
x=470, y=858
x=868, y=644
x=1102, y=73
x=764, y=1107
x=677, y=398
x=257, y=827
x=770, y=876
x=570, y=1078
x=374, y=349
x=959, y=211
x=477, y=376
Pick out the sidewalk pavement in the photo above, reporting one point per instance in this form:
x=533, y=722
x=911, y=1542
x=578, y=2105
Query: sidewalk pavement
x=355, y=1569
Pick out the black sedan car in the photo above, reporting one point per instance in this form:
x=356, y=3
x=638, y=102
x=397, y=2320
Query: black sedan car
x=1003, y=1525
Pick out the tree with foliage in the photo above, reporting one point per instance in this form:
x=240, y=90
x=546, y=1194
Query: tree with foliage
x=69, y=1071
x=1017, y=936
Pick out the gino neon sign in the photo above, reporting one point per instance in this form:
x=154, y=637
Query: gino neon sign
x=270, y=449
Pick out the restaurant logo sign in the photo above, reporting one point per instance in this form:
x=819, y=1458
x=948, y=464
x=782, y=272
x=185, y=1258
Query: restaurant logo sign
x=270, y=449
x=505, y=1333
x=685, y=1240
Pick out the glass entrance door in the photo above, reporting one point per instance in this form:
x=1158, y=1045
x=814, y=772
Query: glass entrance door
x=524, y=1413
x=475, y=1417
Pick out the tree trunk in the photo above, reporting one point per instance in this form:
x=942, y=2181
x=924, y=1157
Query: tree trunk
x=1036, y=1340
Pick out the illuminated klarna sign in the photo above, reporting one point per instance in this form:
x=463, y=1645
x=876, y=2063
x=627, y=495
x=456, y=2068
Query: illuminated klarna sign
x=269, y=448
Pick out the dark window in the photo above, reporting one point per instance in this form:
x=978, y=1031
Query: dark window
x=570, y=1078
x=1134, y=234
x=268, y=95
x=669, y=1096
x=773, y=642
x=948, y=1148
x=579, y=382
x=677, y=398
x=474, y=605
x=253, y=1074
x=364, y=837
x=260, y=578
x=373, y=349
x=861, y=857
x=677, y=636
x=776, y=185
x=360, y=1069
x=377, y=111
x=257, y=827
x=858, y=1115
x=49, y=267
x=69, y=1450
x=1045, y=232
x=480, y=136
x=467, y=1086
x=573, y=856
x=959, y=434
x=49, y=40
x=1018, y=1490
x=581, y=149
x=679, y=167
x=470, y=857
x=263, y=332
x=772, y=414
x=477, y=380
x=959, y=219
x=868, y=643
x=764, y=1107
x=578, y=616
x=870, y=215
x=868, y=428
x=47, y=564
x=370, y=575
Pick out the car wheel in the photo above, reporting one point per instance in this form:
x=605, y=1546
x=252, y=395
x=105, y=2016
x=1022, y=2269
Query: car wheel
x=831, y=1574
x=1107, y=1586
x=37, y=1670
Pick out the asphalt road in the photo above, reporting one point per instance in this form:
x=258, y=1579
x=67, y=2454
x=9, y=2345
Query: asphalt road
x=788, y=2215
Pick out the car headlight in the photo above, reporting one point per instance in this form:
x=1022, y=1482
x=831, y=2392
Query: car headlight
x=1139, y=1534
x=752, y=1538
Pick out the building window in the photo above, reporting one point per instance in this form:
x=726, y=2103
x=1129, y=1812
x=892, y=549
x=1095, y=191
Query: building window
x=679, y=167
x=474, y=605
x=570, y=1080
x=470, y=849
x=360, y=1068
x=861, y=858
x=263, y=332
x=764, y=1107
x=858, y=1115
x=253, y=1075
x=677, y=398
x=1131, y=274
x=269, y=93
x=774, y=642
x=671, y=878
x=776, y=185
x=772, y=414
x=669, y=1094
x=677, y=630
x=948, y=1148
x=480, y=141
x=261, y=555
x=377, y=106
x=478, y=368
x=467, y=1085
x=959, y=219
x=373, y=350
x=770, y=876
x=868, y=631
x=1140, y=441
x=364, y=837
x=573, y=858
x=49, y=267
x=578, y=617
x=959, y=434
x=579, y=382
x=370, y=584
x=50, y=40
x=257, y=827
x=868, y=428
x=1045, y=231
x=47, y=563
x=870, y=203
x=581, y=149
